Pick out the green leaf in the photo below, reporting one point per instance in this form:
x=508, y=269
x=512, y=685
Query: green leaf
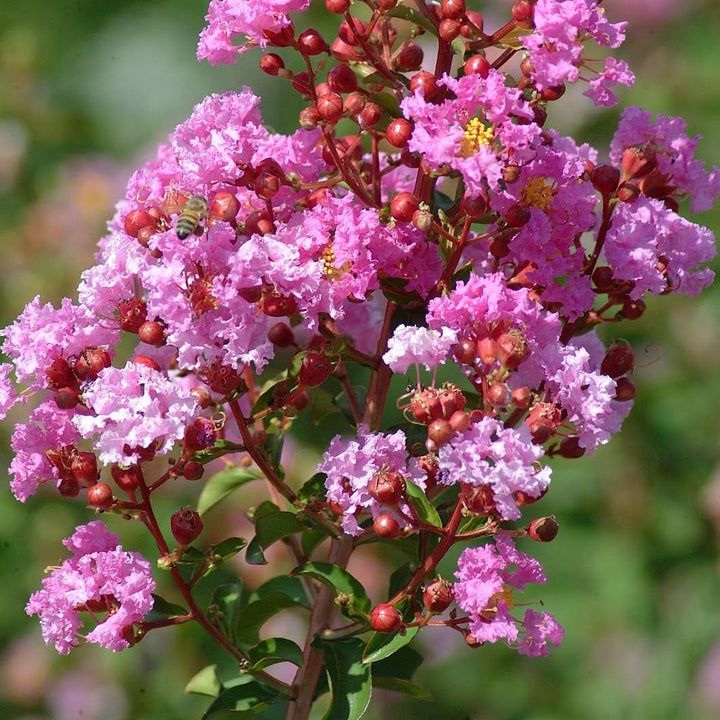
x=256, y=614
x=322, y=404
x=290, y=586
x=411, y=15
x=310, y=539
x=274, y=711
x=342, y=582
x=162, y=609
x=350, y=679
x=243, y=693
x=402, y=664
x=403, y=686
x=222, y=484
x=382, y=645
x=313, y=489
x=227, y=548
x=270, y=528
x=423, y=507
x=225, y=606
x=205, y=682
x=275, y=650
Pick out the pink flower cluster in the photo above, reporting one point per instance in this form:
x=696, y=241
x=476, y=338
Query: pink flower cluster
x=453, y=231
x=99, y=579
x=486, y=578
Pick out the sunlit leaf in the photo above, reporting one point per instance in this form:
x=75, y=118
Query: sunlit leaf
x=275, y=650
x=225, y=607
x=219, y=486
x=341, y=581
x=270, y=528
x=243, y=693
x=423, y=507
x=205, y=682
x=162, y=609
x=382, y=645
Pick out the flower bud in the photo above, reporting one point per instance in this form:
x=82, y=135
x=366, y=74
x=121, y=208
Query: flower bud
x=315, y=369
x=100, y=496
x=438, y=595
x=193, y=470
x=387, y=487
x=619, y=360
x=126, y=478
x=543, y=529
x=185, y=525
x=385, y=618
x=386, y=526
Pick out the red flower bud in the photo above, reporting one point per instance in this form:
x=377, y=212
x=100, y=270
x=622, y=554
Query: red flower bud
x=193, y=470
x=315, y=369
x=126, y=478
x=618, y=361
x=152, y=333
x=385, y=618
x=438, y=595
x=387, y=487
x=100, y=496
x=185, y=525
x=386, y=526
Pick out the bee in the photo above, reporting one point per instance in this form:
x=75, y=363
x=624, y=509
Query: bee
x=193, y=213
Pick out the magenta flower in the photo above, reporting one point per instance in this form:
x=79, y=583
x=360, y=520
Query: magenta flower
x=674, y=150
x=487, y=577
x=350, y=465
x=475, y=131
x=556, y=44
x=100, y=576
x=48, y=429
x=658, y=250
x=132, y=408
x=229, y=18
x=502, y=459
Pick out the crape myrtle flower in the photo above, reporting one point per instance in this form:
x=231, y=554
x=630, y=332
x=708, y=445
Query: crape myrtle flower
x=410, y=345
x=48, y=429
x=658, y=250
x=474, y=131
x=132, y=408
x=351, y=464
x=570, y=374
x=556, y=44
x=672, y=149
x=43, y=333
x=501, y=459
x=99, y=577
x=561, y=204
x=487, y=577
x=229, y=18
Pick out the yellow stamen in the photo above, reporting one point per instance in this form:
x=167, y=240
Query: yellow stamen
x=538, y=193
x=476, y=134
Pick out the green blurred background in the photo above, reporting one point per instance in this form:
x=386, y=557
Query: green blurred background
x=86, y=91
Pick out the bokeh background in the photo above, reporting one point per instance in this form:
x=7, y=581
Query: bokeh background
x=87, y=89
